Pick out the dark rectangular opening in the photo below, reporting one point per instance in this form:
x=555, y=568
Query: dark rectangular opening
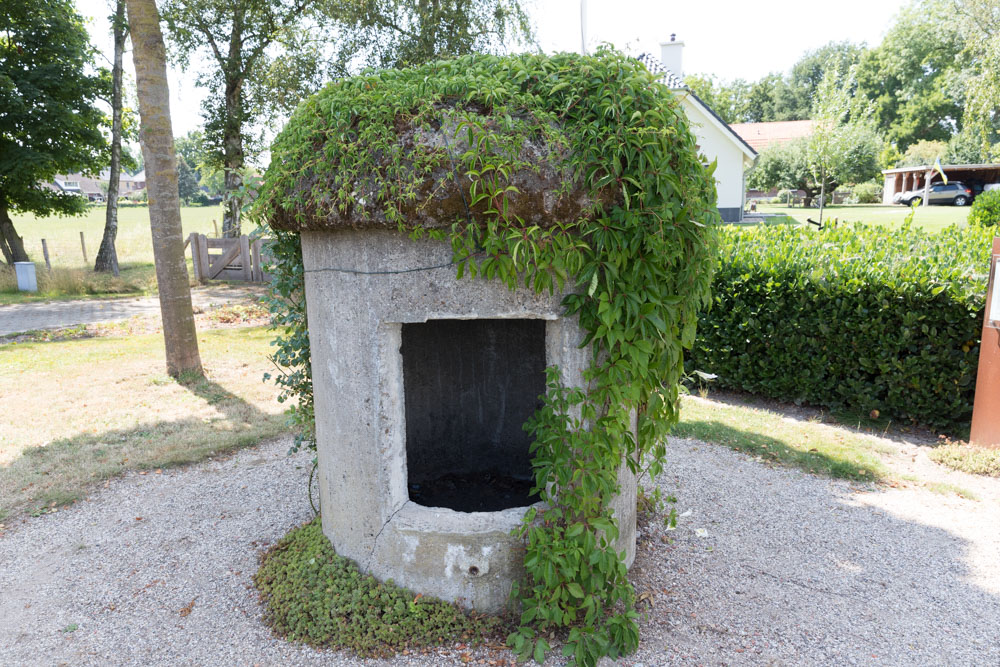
x=469, y=386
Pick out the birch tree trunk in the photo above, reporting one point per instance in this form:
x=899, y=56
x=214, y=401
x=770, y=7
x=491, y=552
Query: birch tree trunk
x=107, y=256
x=157, y=139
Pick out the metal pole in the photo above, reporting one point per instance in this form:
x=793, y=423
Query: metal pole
x=583, y=27
x=83, y=246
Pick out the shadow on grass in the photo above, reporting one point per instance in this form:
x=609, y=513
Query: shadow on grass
x=65, y=469
x=841, y=463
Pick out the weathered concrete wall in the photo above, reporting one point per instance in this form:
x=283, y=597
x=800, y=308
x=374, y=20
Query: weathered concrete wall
x=355, y=323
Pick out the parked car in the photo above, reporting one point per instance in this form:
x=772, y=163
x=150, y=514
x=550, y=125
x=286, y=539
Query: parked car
x=954, y=193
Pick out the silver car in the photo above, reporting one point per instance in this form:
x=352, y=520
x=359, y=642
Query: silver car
x=954, y=193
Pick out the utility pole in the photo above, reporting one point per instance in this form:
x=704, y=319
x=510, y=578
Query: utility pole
x=583, y=27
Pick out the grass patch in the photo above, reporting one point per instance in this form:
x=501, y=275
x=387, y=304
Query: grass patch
x=813, y=447
x=79, y=411
x=931, y=218
x=71, y=277
x=967, y=458
x=134, y=242
x=314, y=596
x=947, y=489
x=78, y=283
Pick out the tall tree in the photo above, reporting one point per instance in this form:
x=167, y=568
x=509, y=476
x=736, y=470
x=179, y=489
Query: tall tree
x=917, y=76
x=844, y=147
x=267, y=55
x=157, y=139
x=107, y=255
x=187, y=181
x=843, y=126
x=49, y=123
x=980, y=29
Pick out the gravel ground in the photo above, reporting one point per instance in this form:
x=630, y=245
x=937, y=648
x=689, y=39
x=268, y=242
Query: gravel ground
x=767, y=566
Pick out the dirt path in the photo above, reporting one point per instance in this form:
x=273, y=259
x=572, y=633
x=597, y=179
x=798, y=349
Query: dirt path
x=17, y=318
x=767, y=566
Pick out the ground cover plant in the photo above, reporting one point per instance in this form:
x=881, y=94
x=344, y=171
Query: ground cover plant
x=968, y=458
x=92, y=404
x=314, y=596
x=639, y=256
x=863, y=318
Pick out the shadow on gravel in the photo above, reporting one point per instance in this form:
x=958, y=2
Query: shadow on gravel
x=773, y=568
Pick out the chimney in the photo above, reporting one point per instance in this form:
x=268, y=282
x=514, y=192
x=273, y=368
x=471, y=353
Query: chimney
x=670, y=55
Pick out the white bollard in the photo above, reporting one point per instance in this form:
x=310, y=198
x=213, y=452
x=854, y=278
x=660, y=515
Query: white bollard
x=26, y=281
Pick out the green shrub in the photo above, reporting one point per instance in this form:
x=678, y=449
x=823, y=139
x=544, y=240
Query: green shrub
x=856, y=317
x=866, y=193
x=784, y=197
x=312, y=595
x=985, y=211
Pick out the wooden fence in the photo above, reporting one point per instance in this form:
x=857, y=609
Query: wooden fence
x=227, y=258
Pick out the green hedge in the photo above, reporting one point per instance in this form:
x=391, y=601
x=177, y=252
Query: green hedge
x=857, y=317
x=985, y=211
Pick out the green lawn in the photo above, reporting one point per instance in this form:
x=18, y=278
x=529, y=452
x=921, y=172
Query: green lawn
x=931, y=218
x=71, y=277
x=134, y=242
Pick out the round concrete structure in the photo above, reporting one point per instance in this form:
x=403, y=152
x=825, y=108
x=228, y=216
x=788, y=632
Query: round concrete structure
x=362, y=286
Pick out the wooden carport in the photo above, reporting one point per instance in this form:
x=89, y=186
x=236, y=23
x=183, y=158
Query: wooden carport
x=904, y=179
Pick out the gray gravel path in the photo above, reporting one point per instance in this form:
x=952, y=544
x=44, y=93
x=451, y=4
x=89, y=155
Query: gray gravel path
x=17, y=318
x=771, y=566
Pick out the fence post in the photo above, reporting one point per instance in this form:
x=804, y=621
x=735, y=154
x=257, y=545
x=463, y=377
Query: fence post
x=83, y=246
x=245, y=257
x=195, y=260
x=258, y=270
x=45, y=253
x=203, y=257
x=216, y=228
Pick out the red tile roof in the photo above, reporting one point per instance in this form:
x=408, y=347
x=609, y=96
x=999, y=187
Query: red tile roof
x=762, y=135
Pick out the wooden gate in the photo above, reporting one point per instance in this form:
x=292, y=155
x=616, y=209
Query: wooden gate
x=227, y=258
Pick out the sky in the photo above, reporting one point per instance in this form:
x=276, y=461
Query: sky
x=726, y=38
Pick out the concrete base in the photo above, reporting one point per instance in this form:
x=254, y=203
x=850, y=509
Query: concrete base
x=359, y=294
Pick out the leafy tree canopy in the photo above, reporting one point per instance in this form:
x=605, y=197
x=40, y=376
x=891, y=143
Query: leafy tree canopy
x=916, y=77
x=923, y=152
x=268, y=55
x=844, y=148
x=49, y=123
x=776, y=96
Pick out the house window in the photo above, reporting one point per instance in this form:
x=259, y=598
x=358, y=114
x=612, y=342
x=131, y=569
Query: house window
x=469, y=386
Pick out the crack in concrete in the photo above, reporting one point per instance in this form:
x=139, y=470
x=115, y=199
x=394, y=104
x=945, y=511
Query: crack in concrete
x=379, y=534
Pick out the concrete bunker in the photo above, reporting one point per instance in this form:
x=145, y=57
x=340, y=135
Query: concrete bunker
x=422, y=380
x=410, y=368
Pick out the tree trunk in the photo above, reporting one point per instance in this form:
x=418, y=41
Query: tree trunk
x=107, y=256
x=11, y=244
x=157, y=139
x=822, y=194
x=233, y=153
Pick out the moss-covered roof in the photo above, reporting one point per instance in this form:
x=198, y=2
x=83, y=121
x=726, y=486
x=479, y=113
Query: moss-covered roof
x=402, y=147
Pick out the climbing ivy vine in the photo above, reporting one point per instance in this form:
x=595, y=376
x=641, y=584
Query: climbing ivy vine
x=635, y=265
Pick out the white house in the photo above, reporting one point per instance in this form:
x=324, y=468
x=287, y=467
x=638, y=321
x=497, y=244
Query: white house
x=716, y=140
